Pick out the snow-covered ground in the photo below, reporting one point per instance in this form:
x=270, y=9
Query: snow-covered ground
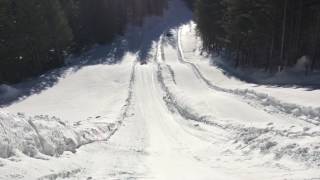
x=176, y=117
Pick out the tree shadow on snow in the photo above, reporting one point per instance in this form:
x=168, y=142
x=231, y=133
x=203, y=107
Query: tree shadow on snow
x=137, y=40
x=307, y=82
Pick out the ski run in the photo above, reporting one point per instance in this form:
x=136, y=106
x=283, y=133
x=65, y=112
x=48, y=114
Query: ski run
x=177, y=117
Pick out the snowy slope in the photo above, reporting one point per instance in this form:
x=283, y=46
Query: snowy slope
x=176, y=117
x=82, y=94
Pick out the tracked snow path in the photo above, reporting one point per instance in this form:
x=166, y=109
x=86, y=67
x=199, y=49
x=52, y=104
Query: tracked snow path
x=170, y=147
x=151, y=143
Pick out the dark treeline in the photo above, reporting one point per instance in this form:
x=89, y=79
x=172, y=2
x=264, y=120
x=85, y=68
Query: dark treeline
x=269, y=34
x=35, y=35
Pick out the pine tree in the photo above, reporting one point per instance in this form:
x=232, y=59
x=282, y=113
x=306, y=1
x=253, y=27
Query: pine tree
x=35, y=34
x=261, y=33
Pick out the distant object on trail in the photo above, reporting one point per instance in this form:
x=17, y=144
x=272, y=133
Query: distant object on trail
x=169, y=34
x=143, y=62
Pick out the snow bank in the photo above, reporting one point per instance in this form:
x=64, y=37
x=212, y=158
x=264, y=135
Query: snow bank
x=301, y=144
x=47, y=135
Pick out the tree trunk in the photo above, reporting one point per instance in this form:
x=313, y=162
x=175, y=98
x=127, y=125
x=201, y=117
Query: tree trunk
x=268, y=67
x=283, y=35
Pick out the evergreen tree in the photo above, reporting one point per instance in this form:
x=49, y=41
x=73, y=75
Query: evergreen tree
x=35, y=34
x=269, y=34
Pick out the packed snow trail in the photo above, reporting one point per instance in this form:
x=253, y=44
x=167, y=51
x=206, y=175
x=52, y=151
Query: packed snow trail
x=151, y=144
x=169, y=145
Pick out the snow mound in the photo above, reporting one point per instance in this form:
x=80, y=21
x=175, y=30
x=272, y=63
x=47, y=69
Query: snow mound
x=47, y=135
x=309, y=114
x=301, y=145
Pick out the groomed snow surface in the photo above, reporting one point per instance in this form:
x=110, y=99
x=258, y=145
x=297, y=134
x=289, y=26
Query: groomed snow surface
x=178, y=117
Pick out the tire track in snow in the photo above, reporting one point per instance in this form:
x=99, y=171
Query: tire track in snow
x=169, y=97
x=254, y=99
x=128, y=102
x=61, y=175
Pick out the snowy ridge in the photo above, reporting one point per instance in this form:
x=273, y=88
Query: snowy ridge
x=246, y=139
x=264, y=101
x=128, y=102
x=62, y=175
x=47, y=135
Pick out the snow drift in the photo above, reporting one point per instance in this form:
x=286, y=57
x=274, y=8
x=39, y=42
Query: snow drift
x=47, y=135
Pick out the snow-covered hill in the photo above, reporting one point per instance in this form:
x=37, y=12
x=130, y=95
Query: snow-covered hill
x=176, y=117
